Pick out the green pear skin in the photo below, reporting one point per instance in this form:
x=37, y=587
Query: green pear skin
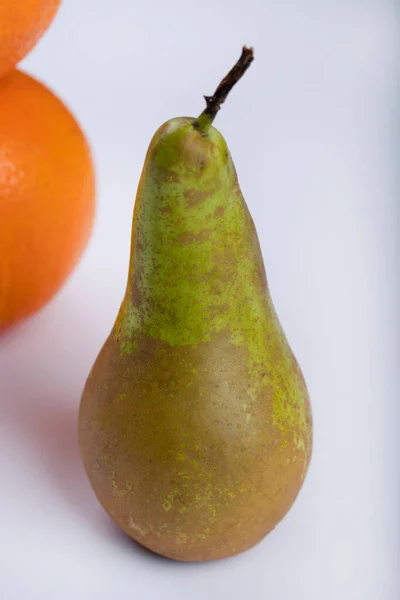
x=195, y=425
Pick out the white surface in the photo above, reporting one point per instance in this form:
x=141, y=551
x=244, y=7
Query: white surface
x=313, y=129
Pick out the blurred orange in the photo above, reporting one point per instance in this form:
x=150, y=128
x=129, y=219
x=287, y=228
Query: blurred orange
x=22, y=23
x=47, y=195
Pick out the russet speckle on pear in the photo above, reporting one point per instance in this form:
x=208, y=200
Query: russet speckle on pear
x=195, y=424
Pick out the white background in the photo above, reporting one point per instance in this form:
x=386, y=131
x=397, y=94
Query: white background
x=314, y=131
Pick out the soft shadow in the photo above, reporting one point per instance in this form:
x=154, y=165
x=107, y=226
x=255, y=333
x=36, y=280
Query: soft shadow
x=142, y=552
x=44, y=363
x=130, y=545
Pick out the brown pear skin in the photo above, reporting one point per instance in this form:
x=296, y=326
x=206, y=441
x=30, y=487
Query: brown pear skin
x=195, y=425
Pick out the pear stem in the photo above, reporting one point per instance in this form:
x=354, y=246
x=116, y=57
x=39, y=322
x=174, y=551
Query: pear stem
x=215, y=101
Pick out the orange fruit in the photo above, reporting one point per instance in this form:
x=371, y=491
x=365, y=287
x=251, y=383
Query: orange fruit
x=47, y=195
x=22, y=24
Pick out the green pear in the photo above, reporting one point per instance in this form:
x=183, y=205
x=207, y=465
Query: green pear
x=195, y=425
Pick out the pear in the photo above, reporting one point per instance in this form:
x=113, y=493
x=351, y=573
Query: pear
x=195, y=426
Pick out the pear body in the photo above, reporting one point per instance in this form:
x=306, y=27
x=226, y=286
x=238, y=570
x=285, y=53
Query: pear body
x=195, y=425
